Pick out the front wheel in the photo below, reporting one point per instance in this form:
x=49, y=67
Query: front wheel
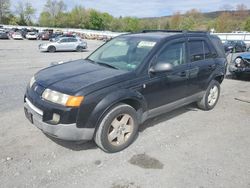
x=51, y=49
x=118, y=129
x=211, y=96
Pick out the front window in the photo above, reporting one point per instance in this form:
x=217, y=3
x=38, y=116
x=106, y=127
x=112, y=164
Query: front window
x=123, y=53
x=173, y=54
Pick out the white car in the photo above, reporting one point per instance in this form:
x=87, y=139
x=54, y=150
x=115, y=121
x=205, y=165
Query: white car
x=31, y=36
x=17, y=36
x=64, y=44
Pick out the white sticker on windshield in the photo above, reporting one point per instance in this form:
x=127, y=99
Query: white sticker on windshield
x=143, y=44
x=120, y=43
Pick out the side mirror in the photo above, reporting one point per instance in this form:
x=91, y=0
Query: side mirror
x=229, y=49
x=161, y=67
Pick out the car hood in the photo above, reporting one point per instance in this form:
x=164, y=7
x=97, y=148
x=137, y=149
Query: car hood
x=78, y=76
x=245, y=55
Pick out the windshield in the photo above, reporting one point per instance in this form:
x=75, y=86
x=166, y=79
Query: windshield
x=123, y=53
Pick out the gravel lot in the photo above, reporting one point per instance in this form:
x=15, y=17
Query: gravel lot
x=185, y=148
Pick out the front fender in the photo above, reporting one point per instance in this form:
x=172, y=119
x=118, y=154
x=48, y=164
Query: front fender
x=109, y=101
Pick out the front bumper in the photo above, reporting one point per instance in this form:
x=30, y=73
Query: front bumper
x=43, y=48
x=62, y=131
x=234, y=69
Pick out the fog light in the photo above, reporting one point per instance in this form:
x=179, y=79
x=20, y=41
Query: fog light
x=55, y=118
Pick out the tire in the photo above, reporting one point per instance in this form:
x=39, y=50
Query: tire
x=79, y=49
x=211, y=96
x=51, y=49
x=112, y=129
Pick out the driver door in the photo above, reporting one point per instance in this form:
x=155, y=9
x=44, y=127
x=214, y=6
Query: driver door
x=167, y=88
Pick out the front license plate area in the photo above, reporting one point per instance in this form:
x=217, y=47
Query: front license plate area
x=28, y=115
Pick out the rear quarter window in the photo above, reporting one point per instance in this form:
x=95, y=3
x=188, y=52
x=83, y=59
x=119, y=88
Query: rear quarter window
x=218, y=46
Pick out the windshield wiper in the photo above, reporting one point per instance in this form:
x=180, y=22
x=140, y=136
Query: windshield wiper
x=106, y=65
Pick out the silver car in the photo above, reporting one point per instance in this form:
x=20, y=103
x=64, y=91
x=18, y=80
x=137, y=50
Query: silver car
x=64, y=44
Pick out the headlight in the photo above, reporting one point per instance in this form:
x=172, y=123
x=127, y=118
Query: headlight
x=238, y=61
x=32, y=81
x=62, y=99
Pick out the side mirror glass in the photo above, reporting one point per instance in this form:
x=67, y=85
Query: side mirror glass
x=161, y=67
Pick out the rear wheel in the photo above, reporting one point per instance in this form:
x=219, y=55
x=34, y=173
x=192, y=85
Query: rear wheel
x=79, y=49
x=51, y=49
x=211, y=96
x=118, y=129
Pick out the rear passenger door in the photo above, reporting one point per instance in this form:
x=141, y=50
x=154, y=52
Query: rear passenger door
x=72, y=44
x=201, y=63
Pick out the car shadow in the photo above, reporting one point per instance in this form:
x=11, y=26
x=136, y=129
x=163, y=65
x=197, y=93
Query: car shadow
x=85, y=50
x=167, y=116
x=242, y=78
x=73, y=145
x=87, y=145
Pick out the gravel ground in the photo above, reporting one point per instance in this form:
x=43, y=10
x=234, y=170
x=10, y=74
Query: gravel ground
x=185, y=148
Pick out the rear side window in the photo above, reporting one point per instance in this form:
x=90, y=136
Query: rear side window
x=199, y=50
x=72, y=40
x=64, y=40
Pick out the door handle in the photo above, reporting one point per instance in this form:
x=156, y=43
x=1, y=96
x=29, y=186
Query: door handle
x=183, y=74
x=211, y=67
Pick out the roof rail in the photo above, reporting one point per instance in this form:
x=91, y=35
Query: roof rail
x=172, y=31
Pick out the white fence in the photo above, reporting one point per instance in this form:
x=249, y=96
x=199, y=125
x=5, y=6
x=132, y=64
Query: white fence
x=82, y=31
x=234, y=36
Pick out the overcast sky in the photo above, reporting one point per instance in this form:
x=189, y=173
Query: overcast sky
x=142, y=8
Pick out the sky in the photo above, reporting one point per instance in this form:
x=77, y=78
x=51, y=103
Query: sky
x=142, y=8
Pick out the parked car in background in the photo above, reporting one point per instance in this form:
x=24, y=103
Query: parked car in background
x=64, y=44
x=17, y=36
x=54, y=36
x=31, y=36
x=3, y=35
x=46, y=36
x=241, y=65
x=235, y=46
x=61, y=36
x=123, y=83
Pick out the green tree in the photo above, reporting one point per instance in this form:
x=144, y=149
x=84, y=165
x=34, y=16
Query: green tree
x=107, y=21
x=96, y=20
x=175, y=21
x=44, y=19
x=53, y=9
x=187, y=23
x=247, y=25
x=25, y=13
x=4, y=11
x=131, y=24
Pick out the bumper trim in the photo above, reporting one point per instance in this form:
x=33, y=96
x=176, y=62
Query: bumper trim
x=37, y=110
x=62, y=131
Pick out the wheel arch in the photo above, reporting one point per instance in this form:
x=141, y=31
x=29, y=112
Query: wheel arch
x=126, y=96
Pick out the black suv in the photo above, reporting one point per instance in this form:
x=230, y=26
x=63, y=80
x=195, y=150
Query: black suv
x=126, y=81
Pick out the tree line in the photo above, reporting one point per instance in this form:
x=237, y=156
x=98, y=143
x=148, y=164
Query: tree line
x=55, y=14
